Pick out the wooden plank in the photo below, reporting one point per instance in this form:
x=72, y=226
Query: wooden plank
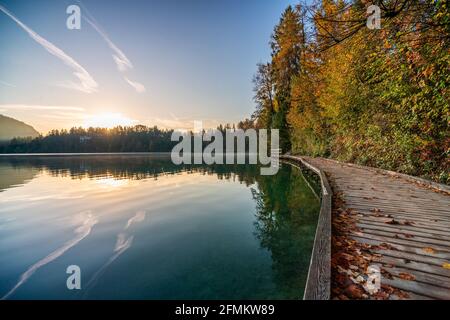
x=411, y=296
x=413, y=265
x=408, y=256
x=406, y=228
x=424, y=241
x=404, y=231
x=425, y=224
x=387, y=211
x=418, y=288
x=415, y=209
x=434, y=252
x=431, y=279
x=417, y=220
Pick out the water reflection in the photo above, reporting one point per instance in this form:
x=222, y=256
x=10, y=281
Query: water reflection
x=88, y=221
x=135, y=167
x=140, y=227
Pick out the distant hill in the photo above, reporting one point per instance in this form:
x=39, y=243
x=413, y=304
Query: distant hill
x=11, y=128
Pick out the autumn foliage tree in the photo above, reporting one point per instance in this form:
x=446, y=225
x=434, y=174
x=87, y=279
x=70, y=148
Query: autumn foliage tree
x=378, y=97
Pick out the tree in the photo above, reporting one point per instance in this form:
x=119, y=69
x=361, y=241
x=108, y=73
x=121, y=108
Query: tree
x=375, y=97
x=264, y=91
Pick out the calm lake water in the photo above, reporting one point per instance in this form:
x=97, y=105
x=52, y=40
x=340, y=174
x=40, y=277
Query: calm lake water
x=140, y=227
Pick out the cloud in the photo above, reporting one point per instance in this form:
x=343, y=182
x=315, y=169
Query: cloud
x=7, y=84
x=39, y=107
x=87, y=222
x=122, y=62
x=136, y=85
x=86, y=82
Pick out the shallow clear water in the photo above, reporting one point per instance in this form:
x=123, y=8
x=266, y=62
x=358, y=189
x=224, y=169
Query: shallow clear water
x=140, y=227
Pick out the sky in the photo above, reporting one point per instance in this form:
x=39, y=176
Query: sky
x=166, y=63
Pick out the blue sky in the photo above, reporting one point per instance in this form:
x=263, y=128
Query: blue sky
x=194, y=58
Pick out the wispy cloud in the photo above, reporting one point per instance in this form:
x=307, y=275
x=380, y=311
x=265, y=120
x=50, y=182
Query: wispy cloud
x=87, y=83
x=122, y=62
x=87, y=222
x=7, y=84
x=139, y=87
x=39, y=107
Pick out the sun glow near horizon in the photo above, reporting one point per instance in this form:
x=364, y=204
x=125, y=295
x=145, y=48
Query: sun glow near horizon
x=107, y=120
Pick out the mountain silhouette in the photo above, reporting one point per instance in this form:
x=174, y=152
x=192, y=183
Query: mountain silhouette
x=11, y=128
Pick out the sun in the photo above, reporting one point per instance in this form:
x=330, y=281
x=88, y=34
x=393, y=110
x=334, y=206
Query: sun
x=107, y=120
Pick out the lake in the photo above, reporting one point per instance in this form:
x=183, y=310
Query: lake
x=139, y=227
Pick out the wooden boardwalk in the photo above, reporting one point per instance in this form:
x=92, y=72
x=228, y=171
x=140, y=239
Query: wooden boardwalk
x=406, y=222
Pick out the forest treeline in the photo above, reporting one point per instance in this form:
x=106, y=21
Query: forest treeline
x=379, y=97
x=139, y=138
x=119, y=139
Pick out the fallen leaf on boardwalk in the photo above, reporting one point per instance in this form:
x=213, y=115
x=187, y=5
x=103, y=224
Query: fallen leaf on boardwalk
x=402, y=295
x=386, y=246
x=392, y=221
x=351, y=258
x=387, y=288
x=407, y=235
x=406, y=276
x=408, y=223
x=381, y=295
x=429, y=250
x=355, y=292
x=386, y=274
x=446, y=266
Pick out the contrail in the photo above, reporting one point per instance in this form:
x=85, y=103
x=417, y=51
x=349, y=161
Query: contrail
x=139, y=87
x=82, y=232
x=87, y=83
x=122, y=62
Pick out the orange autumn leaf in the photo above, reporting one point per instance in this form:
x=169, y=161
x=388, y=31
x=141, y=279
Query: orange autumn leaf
x=446, y=266
x=406, y=276
x=429, y=250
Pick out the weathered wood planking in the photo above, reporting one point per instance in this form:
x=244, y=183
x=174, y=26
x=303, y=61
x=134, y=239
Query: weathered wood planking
x=419, y=240
x=319, y=273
